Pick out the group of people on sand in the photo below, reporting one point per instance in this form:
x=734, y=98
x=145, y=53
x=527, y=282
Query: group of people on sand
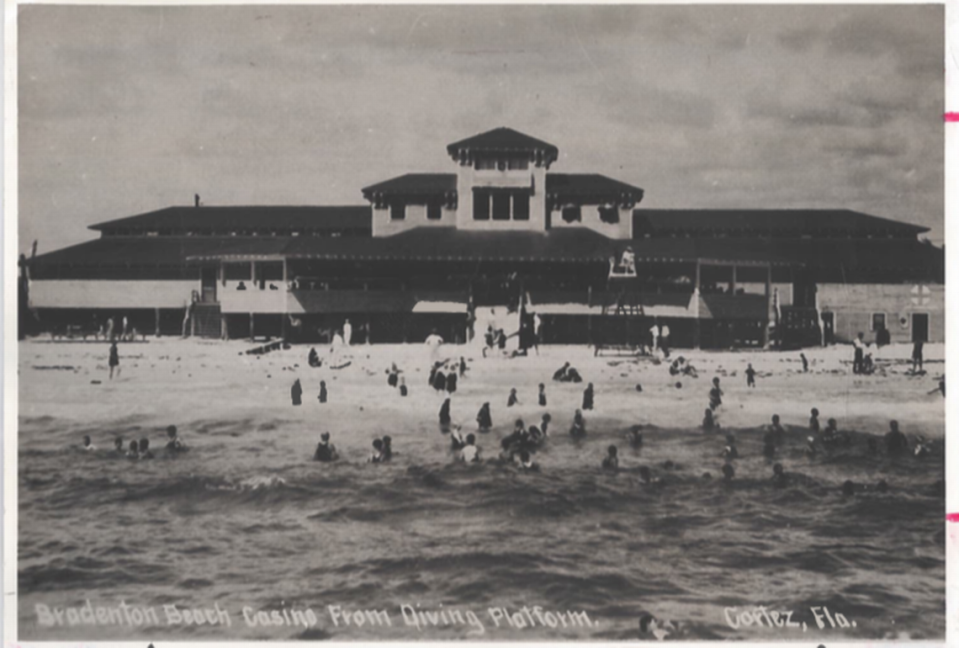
x=567, y=373
x=138, y=450
x=296, y=392
x=444, y=374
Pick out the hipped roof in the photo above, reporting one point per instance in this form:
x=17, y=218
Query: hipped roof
x=224, y=218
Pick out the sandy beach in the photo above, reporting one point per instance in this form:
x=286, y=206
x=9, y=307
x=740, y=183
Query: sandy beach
x=200, y=529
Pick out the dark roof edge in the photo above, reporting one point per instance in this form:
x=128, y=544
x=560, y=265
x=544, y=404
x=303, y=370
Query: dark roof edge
x=101, y=225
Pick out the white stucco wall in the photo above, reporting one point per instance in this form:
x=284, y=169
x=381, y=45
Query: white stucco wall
x=591, y=220
x=384, y=225
x=534, y=178
x=854, y=304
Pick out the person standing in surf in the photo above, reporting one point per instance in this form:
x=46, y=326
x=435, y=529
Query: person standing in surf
x=114, y=360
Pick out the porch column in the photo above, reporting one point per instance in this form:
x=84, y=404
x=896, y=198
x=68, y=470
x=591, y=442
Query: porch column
x=696, y=297
x=252, y=334
x=252, y=275
x=224, y=330
x=769, y=281
x=156, y=325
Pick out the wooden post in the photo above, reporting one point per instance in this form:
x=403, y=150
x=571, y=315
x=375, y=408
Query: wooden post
x=252, y=334
x=156, y=326
x=224, y=328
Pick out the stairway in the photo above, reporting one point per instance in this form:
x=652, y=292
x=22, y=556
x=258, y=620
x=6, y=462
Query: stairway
x=206, y=320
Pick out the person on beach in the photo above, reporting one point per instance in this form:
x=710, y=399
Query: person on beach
x=709, y=423
x=896, y=442
x=544, y=424
x=445, y=413
x=560, y=375
x=439, y=379
x=313, y=359
x=730, y=452
x=779, y=477
x=114, y=360
x=526, y=462
x=588, y=397
x=805, y=362
x=347, y=333
x=778, y=433
x=433, y=343
x=483, y=418
x=393, y=377
x=573, y=376
x=451, y=381
x=653, y=338
x=536, y=435
x=750, y=376
x=462, y=366
x=118, y=446
x=542, y=395
x=387, y=450
x=377, y=455
x=814, y=421
x=664, y=340
x=174, y=443
x=858, y=349
x=578, y=429
x=322, y=396
x=88, y=444
x=715, y=395
x=611, y=461
x=917, y=356
x=109, y=332
x=728, y=472
x=469, y=453
x=513, y=400
x=325, y=451
x=296, y=392
x=134, y=450
x=145, y=452
x=403, y=390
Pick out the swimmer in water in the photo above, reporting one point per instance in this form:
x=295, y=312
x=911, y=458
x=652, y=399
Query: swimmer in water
x=134, y=450
x=730, y=452
x=457, y=442
x=527, y=463
x=118, y=446
x=588, y=397
x=325, y=451
x=387, y=452
x=778, y=433
x=377, y=455
x=513, y=400
x=814, y=421
x=728, y=473
x=445, y=413
x=611, y=461
x=544, y=424
x=896, y=442
x=715, y=395
x=769, y=444
x=483, y=418
x=542, y=395
x=635, y=437
x=921, y=446
x=779, y=477
x=145, y=452
x=578, y=429
x=830, y=435
x=536, y=436
x=88, y=444
x=174, y=444
x=469, y=453
x=709, y=423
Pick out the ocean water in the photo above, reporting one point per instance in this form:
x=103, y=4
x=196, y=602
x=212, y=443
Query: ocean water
x=244, y=521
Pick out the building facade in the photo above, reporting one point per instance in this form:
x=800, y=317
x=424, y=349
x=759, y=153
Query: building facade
x=497, y=238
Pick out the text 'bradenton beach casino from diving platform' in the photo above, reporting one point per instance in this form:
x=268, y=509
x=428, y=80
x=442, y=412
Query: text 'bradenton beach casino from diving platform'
x=500, y=238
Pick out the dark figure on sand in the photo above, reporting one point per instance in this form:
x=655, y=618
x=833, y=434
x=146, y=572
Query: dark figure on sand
x=451, y=382
x=403, y=390
x=858, y=349
x=715, y=395
x=296, y=392
x=114, y=360
x=445, y=413
x=814, y=420
x=917, y=356
x=513, y=400
x=542, y=395
x=322, y=395
x=314, y=358
x=805, y=362
x=750, y=376
x=325, y=451
x=483, y=418
x=588, y=397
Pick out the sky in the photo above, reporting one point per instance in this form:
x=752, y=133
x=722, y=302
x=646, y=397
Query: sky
x=124, y=110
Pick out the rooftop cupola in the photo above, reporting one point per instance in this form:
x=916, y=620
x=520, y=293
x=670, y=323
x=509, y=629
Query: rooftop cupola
x=503, y=149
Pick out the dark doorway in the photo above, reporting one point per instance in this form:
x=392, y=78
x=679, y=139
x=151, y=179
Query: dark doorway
x=208, y=285
x=920, y=327
x=828, y=328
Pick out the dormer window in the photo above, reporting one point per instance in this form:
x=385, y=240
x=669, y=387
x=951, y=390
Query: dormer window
x=485, y=164
x=609, y=215
x=518, y=163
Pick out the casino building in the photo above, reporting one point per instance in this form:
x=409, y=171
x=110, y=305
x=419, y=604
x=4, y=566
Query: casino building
x=497, y=238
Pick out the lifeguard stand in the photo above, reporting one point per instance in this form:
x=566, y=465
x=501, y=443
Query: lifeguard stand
x=622, y=317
